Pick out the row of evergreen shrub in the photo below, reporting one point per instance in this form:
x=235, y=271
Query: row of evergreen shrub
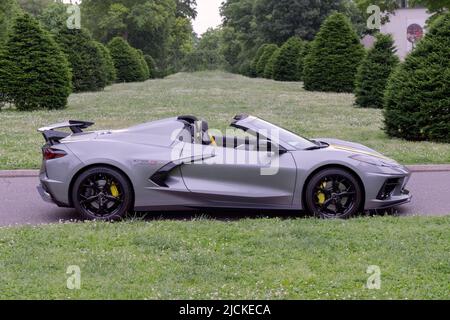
x=414, y=94
x=280, y=63
x=38, y=70
x=329, y=63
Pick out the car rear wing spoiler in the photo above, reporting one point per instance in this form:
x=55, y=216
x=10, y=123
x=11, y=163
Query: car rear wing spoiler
x=52, y=137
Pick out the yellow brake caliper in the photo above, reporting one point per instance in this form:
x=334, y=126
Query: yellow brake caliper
x=320, y=195
x=114, y=190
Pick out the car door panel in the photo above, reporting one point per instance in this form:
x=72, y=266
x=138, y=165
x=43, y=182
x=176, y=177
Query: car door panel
x=232, y=175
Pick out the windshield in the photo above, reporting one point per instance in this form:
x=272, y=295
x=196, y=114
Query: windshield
x=276, y=133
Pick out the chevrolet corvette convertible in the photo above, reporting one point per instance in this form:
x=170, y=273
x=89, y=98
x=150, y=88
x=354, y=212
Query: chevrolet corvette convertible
x=180, y=164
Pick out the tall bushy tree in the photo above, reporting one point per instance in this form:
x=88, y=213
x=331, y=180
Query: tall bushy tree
x=180, y=44
x=54, y=17
x=417, y=100
x=286, y=65
x=86, y=60
x=9, y=10
x=35, y=7
x=301, y=59
x=126, y=60
x=145, y=72
x=374, y=72
x=334, y=57
x=34, y=72
x=207, y=53
x=161, y=28
x=108, y=63
x=278, y=20
x=262, y=62
x=268, y=71
x=151, y=66
x=239, y=27
x=254, y=62
x=231, y=49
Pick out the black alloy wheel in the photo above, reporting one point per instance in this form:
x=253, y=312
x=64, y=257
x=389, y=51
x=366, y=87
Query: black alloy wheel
x=102, y=193
x=334, y=194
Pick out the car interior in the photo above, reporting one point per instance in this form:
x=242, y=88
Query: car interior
x=198, y=132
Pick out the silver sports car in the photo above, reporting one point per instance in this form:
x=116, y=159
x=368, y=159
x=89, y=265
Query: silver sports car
x=179, y=163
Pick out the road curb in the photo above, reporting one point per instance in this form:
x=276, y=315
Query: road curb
x=413, y=168
x=429, y=168
x=19, y=173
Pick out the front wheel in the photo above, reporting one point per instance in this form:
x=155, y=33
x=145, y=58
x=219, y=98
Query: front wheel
x=333, y=194
x=102, y=193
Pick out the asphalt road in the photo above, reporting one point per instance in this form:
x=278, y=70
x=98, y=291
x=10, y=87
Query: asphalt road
x=21, y=204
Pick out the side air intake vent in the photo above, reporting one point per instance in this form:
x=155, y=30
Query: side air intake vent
x=160, y=176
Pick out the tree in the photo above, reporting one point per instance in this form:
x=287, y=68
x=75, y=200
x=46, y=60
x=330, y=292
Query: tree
x=231, y=49
x=279, y=20
x=108, y=63
x=160, y=28
x=34, y=7
x=374, y=72
x=207, y=53
x=86, y=60
x=254, y=63
x=34, y=73
x=54, y=17
x=151, y=66
x=286, y=65
x=145, y=72
x=180, y=44
x=9, y=10
x=187, y=9
x=417, y=101
x=334, y=57
x=268, y=71
x=433, y=5
x=306, y=46
x=126, y=60
x=255, y=22
x=240, y=30
x=262, y=62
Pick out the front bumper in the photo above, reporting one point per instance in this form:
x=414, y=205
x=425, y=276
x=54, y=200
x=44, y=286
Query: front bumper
x=387, y=189
x=393, y=201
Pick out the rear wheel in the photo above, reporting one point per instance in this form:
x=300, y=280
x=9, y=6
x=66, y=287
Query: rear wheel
x=333, y=194
x=102, y=193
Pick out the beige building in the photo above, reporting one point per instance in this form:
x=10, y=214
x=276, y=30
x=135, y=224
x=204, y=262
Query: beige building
x=406, y=25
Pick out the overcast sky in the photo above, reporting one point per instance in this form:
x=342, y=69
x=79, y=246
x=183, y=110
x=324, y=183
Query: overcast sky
x=208, y=15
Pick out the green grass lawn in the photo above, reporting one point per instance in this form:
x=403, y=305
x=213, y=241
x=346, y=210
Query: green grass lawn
x=217, y=97
x=240, y=259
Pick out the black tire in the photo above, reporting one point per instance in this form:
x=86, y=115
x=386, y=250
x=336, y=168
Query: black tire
x=333, y=194
x=102, y=193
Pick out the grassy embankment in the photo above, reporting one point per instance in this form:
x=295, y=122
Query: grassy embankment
x=217, y=97
x=241, y=259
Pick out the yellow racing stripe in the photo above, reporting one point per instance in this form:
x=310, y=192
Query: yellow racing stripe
x=345, y=148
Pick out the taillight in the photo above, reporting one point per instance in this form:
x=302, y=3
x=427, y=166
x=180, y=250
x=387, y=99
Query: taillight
x=50, y=153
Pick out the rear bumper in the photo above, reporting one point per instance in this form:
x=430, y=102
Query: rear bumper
x=49, y=190
x=45, y=195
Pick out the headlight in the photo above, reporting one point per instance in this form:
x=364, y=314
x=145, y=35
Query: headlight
x=374, y=161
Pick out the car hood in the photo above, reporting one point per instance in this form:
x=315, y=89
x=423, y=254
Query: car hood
x=353, y=147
